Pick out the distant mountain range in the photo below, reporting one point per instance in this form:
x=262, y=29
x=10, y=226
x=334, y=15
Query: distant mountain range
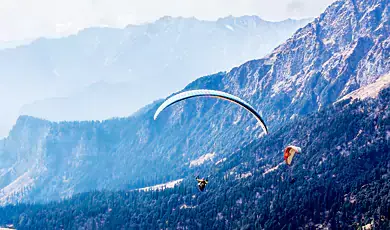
x=344, y=49
x=14, y=44
x=101, y=73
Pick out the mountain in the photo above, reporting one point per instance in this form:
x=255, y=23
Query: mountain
x=95, y=102
x=345, y=48
x=370, y=90
x=138, y=63
x=342, y=182
x=13, y=44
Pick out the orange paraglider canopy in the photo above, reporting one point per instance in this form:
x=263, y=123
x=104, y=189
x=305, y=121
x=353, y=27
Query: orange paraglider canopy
x=289, y=153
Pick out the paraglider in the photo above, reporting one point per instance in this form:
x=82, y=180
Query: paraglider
x=289, y=154
x=201, y=183
x=215, y=94
x=211, y=93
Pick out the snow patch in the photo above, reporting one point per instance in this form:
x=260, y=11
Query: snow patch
x=330, y=41
x=293, y=116
x=238, y=119
x=223, y=160
x=170, y=184
x=371, y=90
x=184, y=206
x=244, y=175
x=272, y=169
x=6, y=228
x=229, y=27
x=202, y=159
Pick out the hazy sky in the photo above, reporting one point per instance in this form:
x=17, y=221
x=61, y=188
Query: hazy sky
x=28, y=19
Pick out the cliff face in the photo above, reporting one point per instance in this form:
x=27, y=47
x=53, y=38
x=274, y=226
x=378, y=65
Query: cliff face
x=342, y=50
x=345, y=48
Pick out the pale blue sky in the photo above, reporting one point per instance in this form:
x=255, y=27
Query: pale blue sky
x=27, y=19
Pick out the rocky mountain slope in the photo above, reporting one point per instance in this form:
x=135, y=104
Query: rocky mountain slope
x=101, y=73
x=345, y=48
x=342, y=182
x=370, y=90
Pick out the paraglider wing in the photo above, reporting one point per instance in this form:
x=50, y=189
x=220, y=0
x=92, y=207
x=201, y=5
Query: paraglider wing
x=210, y=93
x=289, y=153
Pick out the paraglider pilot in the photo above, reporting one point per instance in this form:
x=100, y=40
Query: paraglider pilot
x=289, y=153
x=202, y=183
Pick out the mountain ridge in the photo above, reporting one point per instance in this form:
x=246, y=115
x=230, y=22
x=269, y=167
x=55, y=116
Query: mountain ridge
x=299, y=77
x=178, y=51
